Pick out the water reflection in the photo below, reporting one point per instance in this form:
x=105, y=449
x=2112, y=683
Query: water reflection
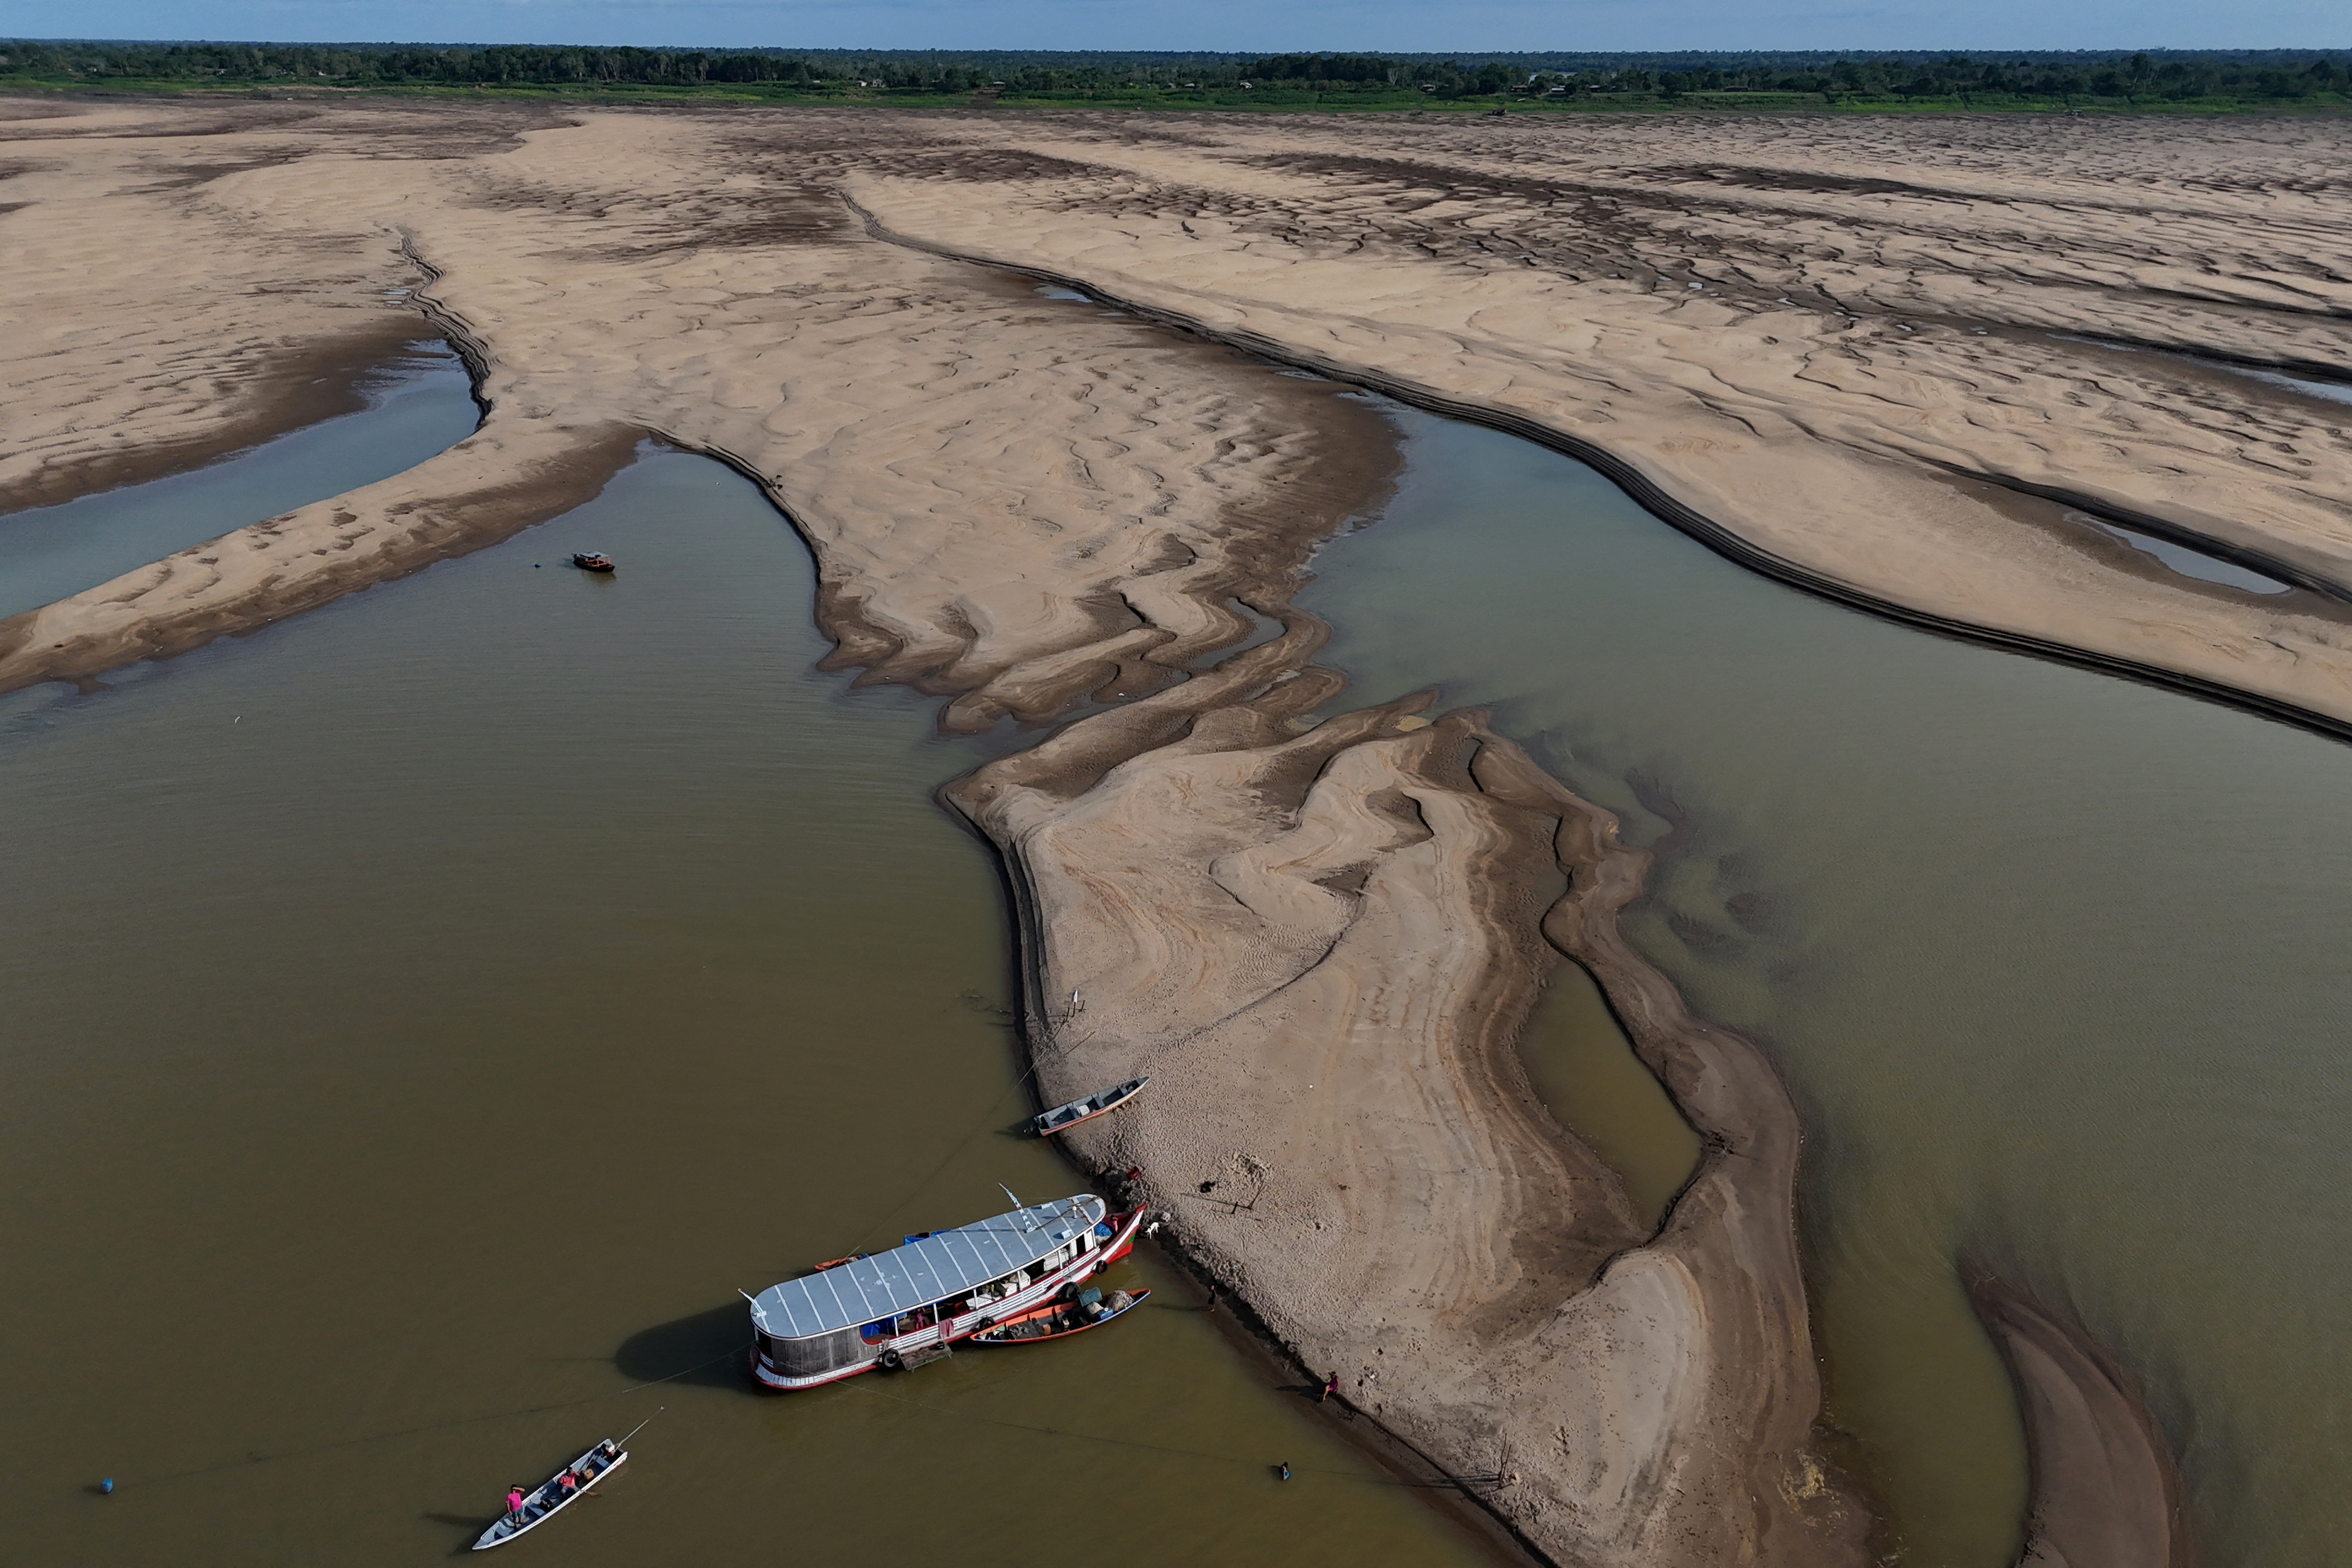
x=2188, y=562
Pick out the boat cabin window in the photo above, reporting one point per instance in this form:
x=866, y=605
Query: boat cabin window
x=816, y=1354
x=995, y=1290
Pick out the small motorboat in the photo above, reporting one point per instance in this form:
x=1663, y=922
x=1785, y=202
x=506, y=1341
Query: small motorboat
x=1061, y=1319
x=554, y=1497
x=1062, y=1118
x=593, y=561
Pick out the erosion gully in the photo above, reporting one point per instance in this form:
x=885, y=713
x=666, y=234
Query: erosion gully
x=424, y=1015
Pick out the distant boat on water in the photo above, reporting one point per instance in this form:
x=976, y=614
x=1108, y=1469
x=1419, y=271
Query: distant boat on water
x=593, y=561
x=1062, y=1118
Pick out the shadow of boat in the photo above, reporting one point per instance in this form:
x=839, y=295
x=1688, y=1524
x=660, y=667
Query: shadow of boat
x=706, y=1349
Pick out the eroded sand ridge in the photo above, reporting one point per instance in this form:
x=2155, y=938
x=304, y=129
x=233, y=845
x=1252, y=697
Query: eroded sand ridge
x=1850, y=348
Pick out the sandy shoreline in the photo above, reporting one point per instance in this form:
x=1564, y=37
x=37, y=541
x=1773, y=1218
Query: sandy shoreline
x=279, y=388
x=1795, y=378
x=1322, y=938
x=2105, y=1489
x=1333, y=947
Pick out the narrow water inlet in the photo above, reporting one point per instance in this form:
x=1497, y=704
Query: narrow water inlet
x=418, y=405
x=2185, y=562
x=1585, y=1071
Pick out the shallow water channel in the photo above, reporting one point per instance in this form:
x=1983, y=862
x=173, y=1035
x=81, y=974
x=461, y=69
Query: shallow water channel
x=2054, y=962
x=417, y=405
x=425, y=1013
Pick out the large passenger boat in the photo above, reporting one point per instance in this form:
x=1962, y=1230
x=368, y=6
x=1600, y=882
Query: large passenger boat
x=890, y=1308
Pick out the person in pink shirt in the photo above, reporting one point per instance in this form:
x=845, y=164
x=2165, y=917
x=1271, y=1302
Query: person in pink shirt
x=514, y=1499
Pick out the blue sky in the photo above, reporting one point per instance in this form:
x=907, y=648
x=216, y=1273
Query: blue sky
x=1283, y=24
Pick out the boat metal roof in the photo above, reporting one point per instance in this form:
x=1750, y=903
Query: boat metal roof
x=944, y=1264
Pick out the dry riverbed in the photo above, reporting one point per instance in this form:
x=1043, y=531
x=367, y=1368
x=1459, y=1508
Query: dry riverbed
x=1867, y=356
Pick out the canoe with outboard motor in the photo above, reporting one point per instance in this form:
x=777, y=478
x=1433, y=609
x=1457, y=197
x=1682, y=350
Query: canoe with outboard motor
x=553, y=1498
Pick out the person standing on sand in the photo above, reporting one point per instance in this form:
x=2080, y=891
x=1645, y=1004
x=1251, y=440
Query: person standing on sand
x=1212, y=1308
x=1330, y=1387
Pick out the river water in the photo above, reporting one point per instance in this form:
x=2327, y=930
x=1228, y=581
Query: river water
x=425, y=1013
x=2054, y=962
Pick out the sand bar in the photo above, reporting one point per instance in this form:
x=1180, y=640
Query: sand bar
x=1325, y=935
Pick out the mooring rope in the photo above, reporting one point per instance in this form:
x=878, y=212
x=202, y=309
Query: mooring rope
x=1036, y=1059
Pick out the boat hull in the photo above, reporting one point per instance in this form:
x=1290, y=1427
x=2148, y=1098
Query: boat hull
x=1044, y=1127
x=501, y=1532
x=1000, y=1334
x=1125, y=1228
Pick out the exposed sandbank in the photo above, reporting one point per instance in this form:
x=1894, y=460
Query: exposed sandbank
x=1853, y=380
x=1322, y=946
x=2105, y=1491
x=1875, y=389
x=1011, y=500
x=1022, y=505
x=268, y=389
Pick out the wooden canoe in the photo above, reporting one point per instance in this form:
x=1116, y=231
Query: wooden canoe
x=1057, y=1322
x=1062, y=1118
x=551, y=1500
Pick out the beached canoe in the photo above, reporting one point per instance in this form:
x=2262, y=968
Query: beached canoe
x=1061, y=1320
x=553, y=1498
x=1062, y=1118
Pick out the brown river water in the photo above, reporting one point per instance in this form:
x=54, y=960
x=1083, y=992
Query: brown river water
x=422, y=1016
x=2055, y=963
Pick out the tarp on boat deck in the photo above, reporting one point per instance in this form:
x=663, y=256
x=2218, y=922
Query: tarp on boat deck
x=946, y=1263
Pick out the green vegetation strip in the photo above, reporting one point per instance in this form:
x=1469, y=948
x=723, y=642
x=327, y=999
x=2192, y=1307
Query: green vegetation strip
x=2213, y=81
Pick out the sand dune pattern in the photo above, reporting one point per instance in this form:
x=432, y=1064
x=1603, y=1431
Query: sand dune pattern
x=1875, y=358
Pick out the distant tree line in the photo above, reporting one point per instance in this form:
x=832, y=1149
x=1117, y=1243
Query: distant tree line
x=2257, y=76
